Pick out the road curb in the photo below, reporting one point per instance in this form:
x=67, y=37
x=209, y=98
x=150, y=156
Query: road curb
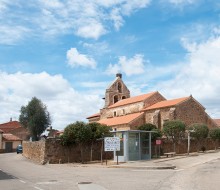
x=144, y=167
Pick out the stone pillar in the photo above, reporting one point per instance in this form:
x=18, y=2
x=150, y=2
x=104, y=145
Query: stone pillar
x=172, y=114
x=156, y=119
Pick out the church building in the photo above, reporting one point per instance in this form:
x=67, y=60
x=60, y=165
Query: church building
x=122, y=112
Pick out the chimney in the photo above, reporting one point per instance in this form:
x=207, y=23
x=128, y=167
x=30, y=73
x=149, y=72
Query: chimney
x=119, y=75
x=11, y=119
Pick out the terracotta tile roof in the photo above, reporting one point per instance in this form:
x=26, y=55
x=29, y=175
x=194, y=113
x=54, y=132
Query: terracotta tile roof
x=1, y=131
x=125, y=119
x=166, y=103
x=10, y=137
x=217, y=121
x=94, y=115
x=7, y=127
x=132, y=100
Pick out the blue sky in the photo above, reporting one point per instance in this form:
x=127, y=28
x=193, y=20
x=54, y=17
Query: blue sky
x=67, y=52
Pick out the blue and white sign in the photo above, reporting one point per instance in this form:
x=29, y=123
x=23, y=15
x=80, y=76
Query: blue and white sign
x=112, y=143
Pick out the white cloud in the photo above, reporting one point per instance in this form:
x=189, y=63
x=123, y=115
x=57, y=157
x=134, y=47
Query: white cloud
x=132, y=66
x=198, y=76
x=65, y=104
x=181, y=2
x=90, y=29
x=74, y=58
x=87, y=19
x=11, y=34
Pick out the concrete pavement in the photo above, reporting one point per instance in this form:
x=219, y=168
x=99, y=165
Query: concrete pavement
x=176, y=162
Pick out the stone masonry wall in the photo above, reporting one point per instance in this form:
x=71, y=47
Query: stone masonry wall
x=34, y=151
x=181, y=148
x=123, y=110
x=191, y=112
x=51, y=151
x=157, y=97
x=136, y=123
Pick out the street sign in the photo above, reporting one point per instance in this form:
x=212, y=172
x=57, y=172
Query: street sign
x=158, y=141
x=112, y=143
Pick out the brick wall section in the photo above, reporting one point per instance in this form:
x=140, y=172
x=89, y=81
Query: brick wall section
x=51, y=151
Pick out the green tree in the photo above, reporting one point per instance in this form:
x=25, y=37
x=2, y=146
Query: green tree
x=200, y=133
x=215, y=135
x=79, y=133
x=99, y=131
x=151, y=127
x=35, y=117
x=174, y=130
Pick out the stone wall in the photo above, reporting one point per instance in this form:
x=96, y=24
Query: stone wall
x=51, y=151
x=181, y=148
x=35, y=151
x=191, y=112
x=156, y=97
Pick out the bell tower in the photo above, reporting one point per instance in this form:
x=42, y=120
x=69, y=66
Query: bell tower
x=116, y=91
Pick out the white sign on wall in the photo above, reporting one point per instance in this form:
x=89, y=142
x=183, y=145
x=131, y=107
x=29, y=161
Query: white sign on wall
x=112, y=143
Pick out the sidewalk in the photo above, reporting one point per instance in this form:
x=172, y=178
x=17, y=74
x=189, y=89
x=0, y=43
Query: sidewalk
x=178, y=161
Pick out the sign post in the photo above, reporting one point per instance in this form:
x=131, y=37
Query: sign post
x=158, y=142
x=112, y=144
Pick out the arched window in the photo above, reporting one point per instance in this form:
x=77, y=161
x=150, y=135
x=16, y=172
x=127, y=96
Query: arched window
x=115, y=99
x=119, y=88
x=123, y=97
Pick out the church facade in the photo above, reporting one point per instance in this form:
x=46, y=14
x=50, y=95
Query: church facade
x=122, y=112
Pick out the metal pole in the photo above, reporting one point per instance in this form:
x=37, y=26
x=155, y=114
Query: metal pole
x=150, y=144
x=188, y=142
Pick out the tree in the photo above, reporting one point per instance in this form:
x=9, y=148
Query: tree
x=79, y=133
x=200, y=132
x=35, y=117
x=150, y=127
x=99, y=131
x=215, y=135
x=174, y=130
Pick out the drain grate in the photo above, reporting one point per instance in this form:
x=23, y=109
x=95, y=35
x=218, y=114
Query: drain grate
x=85, y=182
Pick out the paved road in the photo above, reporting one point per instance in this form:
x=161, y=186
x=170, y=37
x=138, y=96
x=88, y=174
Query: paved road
x=17, y=173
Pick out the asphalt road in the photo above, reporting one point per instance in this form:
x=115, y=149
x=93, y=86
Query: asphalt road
x=192, y=173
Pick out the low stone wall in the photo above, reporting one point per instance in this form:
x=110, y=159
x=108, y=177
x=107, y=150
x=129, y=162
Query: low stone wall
x=181, y=148
x=34, y=151
x=52, y=151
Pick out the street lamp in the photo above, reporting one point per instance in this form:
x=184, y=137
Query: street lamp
x=188, y=132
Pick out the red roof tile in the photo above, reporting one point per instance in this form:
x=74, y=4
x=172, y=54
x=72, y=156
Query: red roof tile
x=125, y=119
x=7, y=127
x=166, y=103
x=94, y=115
x=132, y=100
x=10, y=137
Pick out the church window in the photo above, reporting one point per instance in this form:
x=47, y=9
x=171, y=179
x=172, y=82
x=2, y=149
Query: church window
x=119, y=88
x=115, y=114
x=123, y=97
x=115, y=99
